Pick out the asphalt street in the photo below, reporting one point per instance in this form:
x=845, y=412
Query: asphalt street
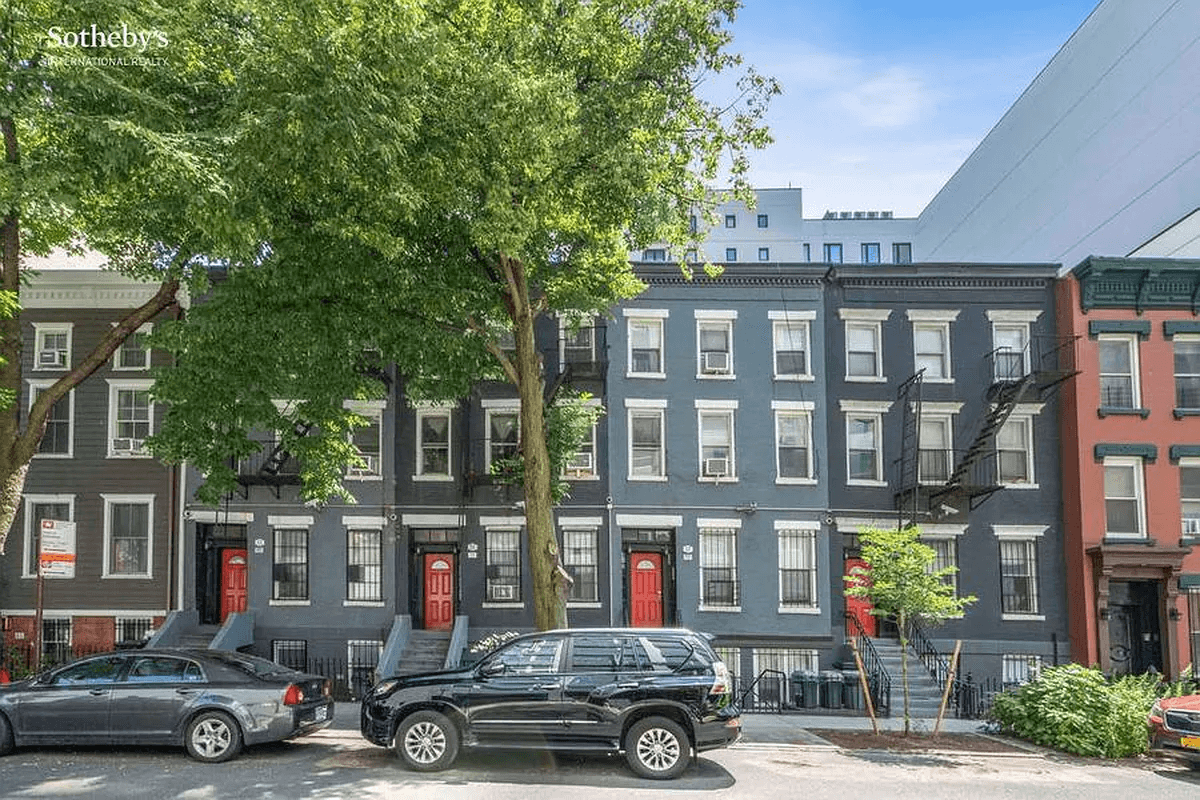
x=778, y=759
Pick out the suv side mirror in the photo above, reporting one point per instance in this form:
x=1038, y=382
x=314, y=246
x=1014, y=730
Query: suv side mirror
x=490, y=669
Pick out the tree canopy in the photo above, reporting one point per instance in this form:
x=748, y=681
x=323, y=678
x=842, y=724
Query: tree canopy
x=424, y=180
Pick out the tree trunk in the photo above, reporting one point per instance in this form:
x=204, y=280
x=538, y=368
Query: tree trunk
x=549, y=607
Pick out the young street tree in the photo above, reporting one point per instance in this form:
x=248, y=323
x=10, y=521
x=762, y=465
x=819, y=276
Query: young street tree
x=106, y=154
x=900, y=582
x=429, y=179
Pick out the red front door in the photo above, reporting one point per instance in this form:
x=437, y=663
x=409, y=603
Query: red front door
x=439, y=591
x=860, y=607
x=645, y=590
x=233, y=581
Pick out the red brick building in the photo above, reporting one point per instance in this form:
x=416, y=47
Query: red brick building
x=1131, y=463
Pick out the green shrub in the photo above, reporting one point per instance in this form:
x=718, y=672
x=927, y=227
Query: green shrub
x=1077, y=709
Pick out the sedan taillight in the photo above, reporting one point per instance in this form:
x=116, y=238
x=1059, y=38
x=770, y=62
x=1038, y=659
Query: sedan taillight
x=294, y=695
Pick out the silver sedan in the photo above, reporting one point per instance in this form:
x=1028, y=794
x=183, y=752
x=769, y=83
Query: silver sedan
x=210, y=701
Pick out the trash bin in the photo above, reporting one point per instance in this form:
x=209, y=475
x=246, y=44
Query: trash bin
x=831, y=689
x=804, y=689
x=851, y=689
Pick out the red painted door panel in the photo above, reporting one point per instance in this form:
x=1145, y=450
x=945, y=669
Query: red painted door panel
x=645, y=590
x=233, y=581
x=860, y=607
x=439, y=591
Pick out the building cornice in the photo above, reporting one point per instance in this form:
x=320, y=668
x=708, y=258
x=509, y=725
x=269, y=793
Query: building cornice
x=1139, y=284
x=88, y=288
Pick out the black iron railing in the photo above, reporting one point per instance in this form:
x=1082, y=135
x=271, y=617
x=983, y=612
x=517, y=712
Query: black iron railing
x=966, y=696
x=878, y=681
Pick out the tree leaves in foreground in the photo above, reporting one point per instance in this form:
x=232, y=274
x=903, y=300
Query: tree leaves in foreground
x=428, y=180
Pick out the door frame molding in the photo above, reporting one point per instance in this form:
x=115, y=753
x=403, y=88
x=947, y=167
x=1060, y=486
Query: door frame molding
x=416, y=562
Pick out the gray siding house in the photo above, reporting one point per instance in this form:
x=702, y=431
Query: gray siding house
x=717, y=400
x=969, y=451
x=93, y=470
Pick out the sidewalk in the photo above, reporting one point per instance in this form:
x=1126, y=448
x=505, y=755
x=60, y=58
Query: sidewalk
x=764, y=728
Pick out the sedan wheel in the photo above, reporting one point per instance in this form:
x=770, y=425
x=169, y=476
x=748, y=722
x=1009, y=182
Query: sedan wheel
x=427, y=741
x=657, y=747
x=6, y=736
x=213, y=737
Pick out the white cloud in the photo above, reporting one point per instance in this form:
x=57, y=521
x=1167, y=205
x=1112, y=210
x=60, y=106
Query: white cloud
x=893, y=98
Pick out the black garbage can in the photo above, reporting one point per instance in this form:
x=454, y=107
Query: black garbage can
x=804, y=689
x=831, y=689
x=851, y=689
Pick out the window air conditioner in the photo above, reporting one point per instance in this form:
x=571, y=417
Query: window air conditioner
x=51, y=358
x=127, y=445
x=716, y=467
x=716, y=361
x=504, y=592
x=581, y=463
x=370, y=466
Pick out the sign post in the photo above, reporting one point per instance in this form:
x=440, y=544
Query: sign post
x=56, y=559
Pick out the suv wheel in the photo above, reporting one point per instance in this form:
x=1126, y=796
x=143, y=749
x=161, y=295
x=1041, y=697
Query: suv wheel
x=427, y=741
x=658, y=748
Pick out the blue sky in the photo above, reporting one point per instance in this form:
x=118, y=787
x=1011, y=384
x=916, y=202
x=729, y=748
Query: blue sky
x=884, y=100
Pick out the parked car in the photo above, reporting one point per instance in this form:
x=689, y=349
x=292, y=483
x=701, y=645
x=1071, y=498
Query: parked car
x=1175, y=728
x=656, y=695
x=210, y=701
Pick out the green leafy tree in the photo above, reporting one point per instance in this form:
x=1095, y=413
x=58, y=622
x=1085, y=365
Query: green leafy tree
x=110, y=144
x=428, y=180
x=900, y=582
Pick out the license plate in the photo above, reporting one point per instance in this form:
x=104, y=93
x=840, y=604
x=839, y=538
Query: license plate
x=1190, y=741
x=320, y=714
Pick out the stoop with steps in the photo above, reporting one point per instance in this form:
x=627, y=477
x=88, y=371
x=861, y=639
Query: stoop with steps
x=201, y=636
x=924, y=694
x=425, y=652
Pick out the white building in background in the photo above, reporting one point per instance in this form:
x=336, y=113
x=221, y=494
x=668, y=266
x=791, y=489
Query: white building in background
x=775, y=231
x=1099, y=156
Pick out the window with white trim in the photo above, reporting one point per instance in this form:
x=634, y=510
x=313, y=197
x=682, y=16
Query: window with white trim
x=936, y=455
x=134, y=352
x=645, y=346
x=1119, y=371
x=797, y=568
x=289, y=567
x=133, y=630
x=130, y=418
x=577, y=335
x=716, y=444
x=52, y=345
x=580, y=559
x=1187, y=371
x=862, y=350
x=1124, y=497
x=931, y=349
x=714, y=340
x=791, y=347
x=291, y=653
x=1018, y=576
x=364, y=564
x=1010, y=343
x=433, y=443
x=1014, y=451
x=583, y=465
x=368, y=441
x=945, y=550
x=1189, y=497
x=38, y=507
x=503, y=554
x=128, y=542
x=719, y=584
x=793, y=444
x=647, y=456
x=1019, y=668
x=863, y=461
x=503, y=434
x=57, y=440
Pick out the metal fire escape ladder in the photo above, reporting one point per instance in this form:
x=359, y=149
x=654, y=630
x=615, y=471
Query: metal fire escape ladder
x=909, y=497
x=280, y=455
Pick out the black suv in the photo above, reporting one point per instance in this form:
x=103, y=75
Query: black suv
x=658, y=695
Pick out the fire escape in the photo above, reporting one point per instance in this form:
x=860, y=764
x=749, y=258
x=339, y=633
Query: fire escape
x=972, y=475
x=274, y=466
